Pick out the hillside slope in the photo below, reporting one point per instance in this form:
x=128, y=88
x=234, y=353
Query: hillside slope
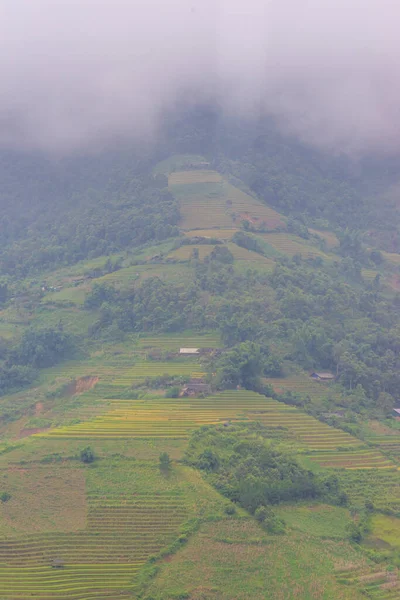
x=92, y=368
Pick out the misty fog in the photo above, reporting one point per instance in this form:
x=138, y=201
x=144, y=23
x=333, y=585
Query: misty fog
x=78, y=73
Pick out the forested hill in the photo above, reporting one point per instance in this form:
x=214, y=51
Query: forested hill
x=56, y=211
x=59, y=212
x=199, y=360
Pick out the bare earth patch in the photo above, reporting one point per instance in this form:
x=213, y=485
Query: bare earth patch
x=83, y=384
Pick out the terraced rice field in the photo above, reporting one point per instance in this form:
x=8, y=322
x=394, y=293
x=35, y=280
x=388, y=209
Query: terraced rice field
x=391, y=257
x=291, y=244
x=303, y=384
x=195, y=176
x=186, y=252
x=220, y=234
x=239, y=254
x=126, y=277
x=168, y=418
x=122, y=531
x=182, y=340
x=369, y=274
x=208, y=202
x=381, y=486
x=75, y=582
x=374, y=581
x=312, y=434
x=125, y=370
x=390, y=444
x=359, y=459
x=329, y=237
x=242, y=254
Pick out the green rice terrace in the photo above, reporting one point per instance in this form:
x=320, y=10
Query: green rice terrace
x=98, y=494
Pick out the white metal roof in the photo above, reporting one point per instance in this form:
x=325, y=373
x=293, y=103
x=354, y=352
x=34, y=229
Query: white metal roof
x=189, y=351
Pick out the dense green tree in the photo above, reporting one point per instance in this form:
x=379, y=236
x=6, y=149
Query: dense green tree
x=87, y=455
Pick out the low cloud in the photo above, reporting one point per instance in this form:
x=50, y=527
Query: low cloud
x=77, y=74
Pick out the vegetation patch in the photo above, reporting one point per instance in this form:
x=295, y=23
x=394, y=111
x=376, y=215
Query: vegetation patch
x=43, y=499
x=237, y=559
x=320, y=520
x=387, y=529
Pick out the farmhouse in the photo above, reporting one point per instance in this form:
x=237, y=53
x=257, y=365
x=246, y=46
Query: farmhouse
x=323, y=376
x=189, y=351
x=396, y=413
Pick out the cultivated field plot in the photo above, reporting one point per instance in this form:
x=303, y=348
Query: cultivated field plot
x=368, y=274
x=375, y=582
x=303, y=384
x=242, y=254
x=220, y=234
x=165, y=418
x=123, y=370
x=360, y=459
x=311, y=433
x=391, y=257
x=174, y=341
x=237, y=559
x=290, y=245
x=75, y=582
x=383, y=437
x=125, y=278
x=177, y=418
x=381, y=486
x=186, y=252
x=329, y=237
x=195, y=176
x=69, y=294
x=133, y=511
x=42, y=501
x=209, y=202
x=321, y=520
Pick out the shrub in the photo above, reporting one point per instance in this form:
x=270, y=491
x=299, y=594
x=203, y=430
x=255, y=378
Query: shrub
x=229, y=509
x=5, y=496
x=165, y=461
x=172, y=392
x=87, y=455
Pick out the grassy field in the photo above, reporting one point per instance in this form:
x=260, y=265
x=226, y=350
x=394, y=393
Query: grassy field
x=37, y=507
x=237, y=559
x=322, y=520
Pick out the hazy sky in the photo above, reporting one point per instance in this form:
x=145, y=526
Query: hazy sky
x=76, y=73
